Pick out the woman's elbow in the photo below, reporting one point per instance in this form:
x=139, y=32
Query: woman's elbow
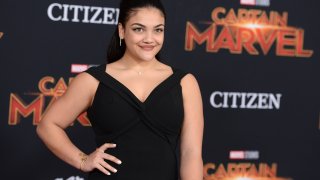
x=40, y=129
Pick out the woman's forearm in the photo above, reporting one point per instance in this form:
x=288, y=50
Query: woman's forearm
x=191, y=167
x=56, y=139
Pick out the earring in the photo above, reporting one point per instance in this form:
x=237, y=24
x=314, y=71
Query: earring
x=120, y=41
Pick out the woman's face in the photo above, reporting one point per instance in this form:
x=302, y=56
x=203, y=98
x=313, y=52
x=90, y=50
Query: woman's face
x=143, y=33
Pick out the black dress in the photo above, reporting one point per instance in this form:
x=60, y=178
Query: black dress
x=146, y=133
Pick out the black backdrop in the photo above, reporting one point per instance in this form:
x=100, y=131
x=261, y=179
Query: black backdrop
x=261, y=111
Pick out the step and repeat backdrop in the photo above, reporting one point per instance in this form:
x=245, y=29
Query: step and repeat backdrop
x=256, y=61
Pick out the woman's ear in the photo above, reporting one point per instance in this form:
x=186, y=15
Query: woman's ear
x=121, y=31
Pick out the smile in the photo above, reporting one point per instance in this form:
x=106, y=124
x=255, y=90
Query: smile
x=147, y=47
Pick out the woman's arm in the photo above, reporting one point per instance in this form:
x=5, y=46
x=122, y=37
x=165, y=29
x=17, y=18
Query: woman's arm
x=191, y=166
x=63, y=112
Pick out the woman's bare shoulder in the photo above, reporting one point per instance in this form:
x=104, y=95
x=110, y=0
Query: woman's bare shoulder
x=83, y=83
x=189, y=80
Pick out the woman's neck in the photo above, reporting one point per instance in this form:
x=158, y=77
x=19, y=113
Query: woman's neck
x=130, y=62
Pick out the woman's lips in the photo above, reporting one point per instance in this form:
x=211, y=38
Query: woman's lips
x=147, y=47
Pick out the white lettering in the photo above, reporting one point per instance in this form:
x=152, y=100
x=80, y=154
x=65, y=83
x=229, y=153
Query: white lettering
x=50, y=14
x=94, y=18
x=212, y=99
x=262, y=102
x=83, y=14
x=65, y=12
x=245, y=100
x=273, y=101
x=234, y=96
x=108, y=14
x=253, y=97
x=117, y=15
x=86, y=14
x=225, y=100
x=76, y=9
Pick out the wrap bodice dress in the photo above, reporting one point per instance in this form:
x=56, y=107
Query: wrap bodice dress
x=146, y=133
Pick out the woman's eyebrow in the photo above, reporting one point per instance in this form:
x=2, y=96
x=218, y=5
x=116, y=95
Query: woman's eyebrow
x=159, y=25
x=138, y=24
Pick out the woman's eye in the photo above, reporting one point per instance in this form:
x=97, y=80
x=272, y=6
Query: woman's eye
x=137, y=29
x=159, y=30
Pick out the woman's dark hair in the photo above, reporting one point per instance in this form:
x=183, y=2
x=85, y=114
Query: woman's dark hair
x=127, y=7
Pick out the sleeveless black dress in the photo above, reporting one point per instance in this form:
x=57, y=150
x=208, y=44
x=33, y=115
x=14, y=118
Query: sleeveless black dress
x=146, y=133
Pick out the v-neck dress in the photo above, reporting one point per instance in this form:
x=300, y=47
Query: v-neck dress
x=146, y=133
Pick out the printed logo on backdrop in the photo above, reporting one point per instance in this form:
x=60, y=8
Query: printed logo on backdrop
x=245, y=100
x=243, y=155
x=50, y=89
x=254, y=31
x=70, y=178
x=242, y=170
x=255, y=2
x=83, y=14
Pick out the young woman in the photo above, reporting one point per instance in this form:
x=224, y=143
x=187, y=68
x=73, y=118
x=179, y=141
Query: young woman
x=140, y=108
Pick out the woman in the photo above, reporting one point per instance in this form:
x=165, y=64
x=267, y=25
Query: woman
x=139, y=108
